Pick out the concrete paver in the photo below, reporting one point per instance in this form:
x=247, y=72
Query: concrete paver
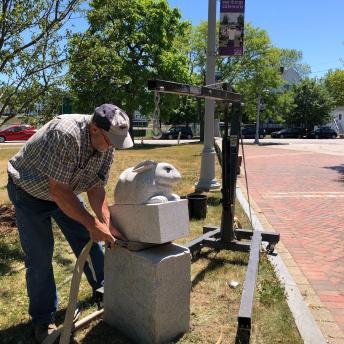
x=300, y=192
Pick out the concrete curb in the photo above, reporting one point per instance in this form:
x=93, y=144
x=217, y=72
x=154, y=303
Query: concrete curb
x=304, y=320
x=165, y=142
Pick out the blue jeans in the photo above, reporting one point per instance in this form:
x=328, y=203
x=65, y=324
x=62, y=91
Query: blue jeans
x=33, y=217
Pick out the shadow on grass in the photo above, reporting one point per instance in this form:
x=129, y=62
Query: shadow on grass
x=23, y=332
x=83, y=304
x=9, y=254
x=20, y=333
x=104, y=333
x=63, y=261
x=146, y=146
x=214, y=201
x=214, y=264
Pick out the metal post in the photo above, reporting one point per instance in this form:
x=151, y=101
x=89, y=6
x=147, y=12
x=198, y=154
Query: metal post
x=247, y=297
x=207, y=180
x=256, y=140
x=230, y=150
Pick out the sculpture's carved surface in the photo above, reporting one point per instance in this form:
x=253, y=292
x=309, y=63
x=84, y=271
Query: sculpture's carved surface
x=146, y=183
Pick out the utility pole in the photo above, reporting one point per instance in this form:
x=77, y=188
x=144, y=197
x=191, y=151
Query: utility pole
x=207, y=180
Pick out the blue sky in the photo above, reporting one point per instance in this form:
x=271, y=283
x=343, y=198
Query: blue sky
x=315, y=27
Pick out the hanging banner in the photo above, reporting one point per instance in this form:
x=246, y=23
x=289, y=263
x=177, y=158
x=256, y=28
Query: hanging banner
x=231, y=35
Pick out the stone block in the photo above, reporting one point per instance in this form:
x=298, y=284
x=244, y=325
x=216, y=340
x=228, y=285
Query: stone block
x=153, y=223
x=147, y=293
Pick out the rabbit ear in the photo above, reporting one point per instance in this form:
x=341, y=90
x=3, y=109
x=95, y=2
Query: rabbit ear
x=144, y=166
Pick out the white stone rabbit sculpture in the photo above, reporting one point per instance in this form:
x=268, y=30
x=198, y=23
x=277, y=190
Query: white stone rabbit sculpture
x=146, y=183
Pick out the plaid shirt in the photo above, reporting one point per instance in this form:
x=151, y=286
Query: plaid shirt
x=60, y=150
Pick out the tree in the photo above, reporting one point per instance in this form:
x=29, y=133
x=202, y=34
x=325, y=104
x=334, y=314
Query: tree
x=257, y=73
x=128, y=43
x=185, y=113
x=254, y=73
x=334, y=82
x=291, y=58
x=280, y=107
x=55, y=101
x=32, y=49
x=313, y=105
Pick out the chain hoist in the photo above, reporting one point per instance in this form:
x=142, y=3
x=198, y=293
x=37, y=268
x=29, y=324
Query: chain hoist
x=156, y=116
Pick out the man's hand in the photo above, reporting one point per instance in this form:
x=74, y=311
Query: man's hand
x=116, y=233
x=97, y=199
x=101, y=232
x=67, y=201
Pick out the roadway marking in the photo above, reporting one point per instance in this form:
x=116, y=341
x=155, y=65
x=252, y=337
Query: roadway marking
x=300, y=194
x=284, y=155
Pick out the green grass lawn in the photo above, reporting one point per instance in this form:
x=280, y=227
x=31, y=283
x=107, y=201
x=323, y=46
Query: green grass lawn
x=214, y=305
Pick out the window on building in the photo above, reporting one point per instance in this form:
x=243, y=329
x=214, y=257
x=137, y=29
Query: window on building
x=340, y=116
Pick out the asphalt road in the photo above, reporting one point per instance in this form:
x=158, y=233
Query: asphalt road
x=149, y=142
x=326, y=146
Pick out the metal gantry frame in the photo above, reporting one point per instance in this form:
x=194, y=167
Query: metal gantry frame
x=226, y=237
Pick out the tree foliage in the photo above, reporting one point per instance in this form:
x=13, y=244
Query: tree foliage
x=313, y=105
x=128, y=43
x=291, y=58
x=258, y=71
x=198, y=52
x=32, y=52
x=334, y=82
x=185, y=112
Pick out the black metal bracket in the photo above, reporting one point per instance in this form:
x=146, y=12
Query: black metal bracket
x=195, y=91
x=212, y=238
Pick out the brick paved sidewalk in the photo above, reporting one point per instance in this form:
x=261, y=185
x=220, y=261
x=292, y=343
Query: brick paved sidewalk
x=301, y=194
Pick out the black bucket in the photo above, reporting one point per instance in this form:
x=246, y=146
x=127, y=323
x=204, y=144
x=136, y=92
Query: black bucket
x=197, y=206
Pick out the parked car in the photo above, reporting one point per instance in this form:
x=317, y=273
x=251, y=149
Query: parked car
x=250, y=133
x=17, y=132
x=173, y=132
x=288, y=133
x=322, y=133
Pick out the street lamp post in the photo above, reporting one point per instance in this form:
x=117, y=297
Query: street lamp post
x=256, y=140
x=260, y=108
x=207, y=180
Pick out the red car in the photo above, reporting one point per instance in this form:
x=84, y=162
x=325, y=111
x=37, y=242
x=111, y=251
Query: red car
x=17, y=132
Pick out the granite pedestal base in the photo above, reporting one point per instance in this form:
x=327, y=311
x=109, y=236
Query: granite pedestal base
x=147, y=293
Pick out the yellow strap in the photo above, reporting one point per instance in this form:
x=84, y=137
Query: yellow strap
x=66, y=328
x=73, y=295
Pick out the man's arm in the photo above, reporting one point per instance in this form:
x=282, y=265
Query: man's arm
x=67, y=201
x=97, y=198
